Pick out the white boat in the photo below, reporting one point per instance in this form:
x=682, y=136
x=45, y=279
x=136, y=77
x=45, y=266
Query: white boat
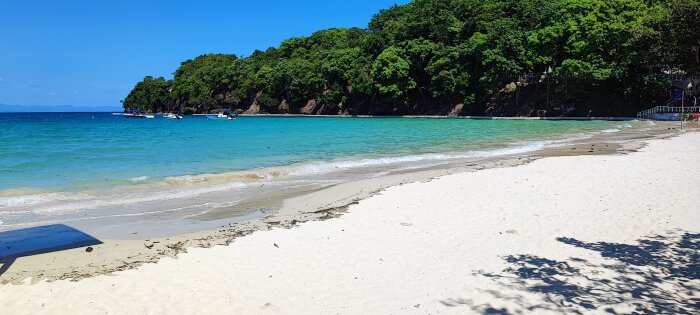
x=227, y=114
x=137, y=114
x=172, y=116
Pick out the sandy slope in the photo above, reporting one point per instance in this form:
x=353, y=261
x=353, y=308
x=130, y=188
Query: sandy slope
x=559, y=234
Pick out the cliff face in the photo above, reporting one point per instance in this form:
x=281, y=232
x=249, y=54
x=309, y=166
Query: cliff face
x=312, y=107
x=512, y=99
x=540, y=100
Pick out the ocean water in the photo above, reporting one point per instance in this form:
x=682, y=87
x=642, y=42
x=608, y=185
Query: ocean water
x=63, y=167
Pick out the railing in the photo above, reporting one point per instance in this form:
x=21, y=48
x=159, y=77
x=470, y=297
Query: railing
x=649, y=113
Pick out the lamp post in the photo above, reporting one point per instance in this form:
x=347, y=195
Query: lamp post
x=682, y=104
x=690, y=86
x=549, y=72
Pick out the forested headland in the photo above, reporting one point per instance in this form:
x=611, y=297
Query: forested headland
x=454, y=57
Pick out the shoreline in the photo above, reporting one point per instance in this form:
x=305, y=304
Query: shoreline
x=152, y=199
x=513, y=239
x=581, y=118
x=116, y=254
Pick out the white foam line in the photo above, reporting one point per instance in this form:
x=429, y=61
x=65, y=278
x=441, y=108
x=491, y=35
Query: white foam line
x=326, y=167
x=110, y=216
x=139, y=179
x=27, y=200
x=117, y=200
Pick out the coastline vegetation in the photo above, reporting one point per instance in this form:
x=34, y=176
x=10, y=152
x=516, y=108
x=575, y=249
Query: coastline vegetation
x=458, y=57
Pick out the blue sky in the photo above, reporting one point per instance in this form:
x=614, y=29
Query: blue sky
x=91, y=53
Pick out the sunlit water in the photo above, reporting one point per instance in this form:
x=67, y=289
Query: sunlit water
x=62, y=167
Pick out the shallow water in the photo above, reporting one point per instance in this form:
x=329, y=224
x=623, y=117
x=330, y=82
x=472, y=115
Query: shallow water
x=63, y=167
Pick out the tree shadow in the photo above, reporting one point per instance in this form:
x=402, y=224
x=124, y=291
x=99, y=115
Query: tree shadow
x=40, y=240
x=656, y=275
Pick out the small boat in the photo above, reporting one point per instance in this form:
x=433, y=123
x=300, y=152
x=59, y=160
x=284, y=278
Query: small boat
x=213, y=117
x=227, y=114
x=132, y=113
x=172, y=116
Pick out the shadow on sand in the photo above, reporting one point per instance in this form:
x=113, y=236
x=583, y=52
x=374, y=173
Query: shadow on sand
x=40, y=240
x=657, y=275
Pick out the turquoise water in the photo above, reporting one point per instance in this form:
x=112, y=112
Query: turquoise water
x=98, y=169
x=74, y=151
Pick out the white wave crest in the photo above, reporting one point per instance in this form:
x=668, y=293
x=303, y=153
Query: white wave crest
x=326, y=167
x=107, y=201
x=60, y=203
x=617, y=128
x=34, y=199
x=139, y=179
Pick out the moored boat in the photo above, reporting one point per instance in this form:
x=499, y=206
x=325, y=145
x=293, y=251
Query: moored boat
x=172, y=116
x=226, y=114
x=132, y=113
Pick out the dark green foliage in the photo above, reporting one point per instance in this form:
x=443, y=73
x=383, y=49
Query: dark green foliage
x=684, y=33
x=198, y=80
x=429, y=55
x=391, y=74
x=149, y=94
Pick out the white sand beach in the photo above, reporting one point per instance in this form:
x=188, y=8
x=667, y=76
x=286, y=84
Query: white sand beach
x=593, y=233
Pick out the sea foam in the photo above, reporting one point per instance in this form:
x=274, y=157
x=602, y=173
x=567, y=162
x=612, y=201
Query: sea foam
x=137, y=179
x=34, y=199
x=333, y=166
x=617, y=128
x=122, y=200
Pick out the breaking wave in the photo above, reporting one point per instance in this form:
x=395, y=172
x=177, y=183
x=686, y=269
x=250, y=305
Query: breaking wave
x=326, y=167
x=67, y=202
x=138, y=179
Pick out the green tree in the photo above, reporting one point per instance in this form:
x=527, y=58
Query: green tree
x=390, y=72
x=151, y=94
x=427, y=54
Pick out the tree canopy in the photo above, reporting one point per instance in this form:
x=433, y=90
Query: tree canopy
x=428, y=55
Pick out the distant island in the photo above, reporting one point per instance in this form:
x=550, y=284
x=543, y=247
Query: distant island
x=55, y=109
x=454, y=57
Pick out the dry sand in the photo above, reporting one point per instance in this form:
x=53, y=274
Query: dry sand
x=563, y=234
